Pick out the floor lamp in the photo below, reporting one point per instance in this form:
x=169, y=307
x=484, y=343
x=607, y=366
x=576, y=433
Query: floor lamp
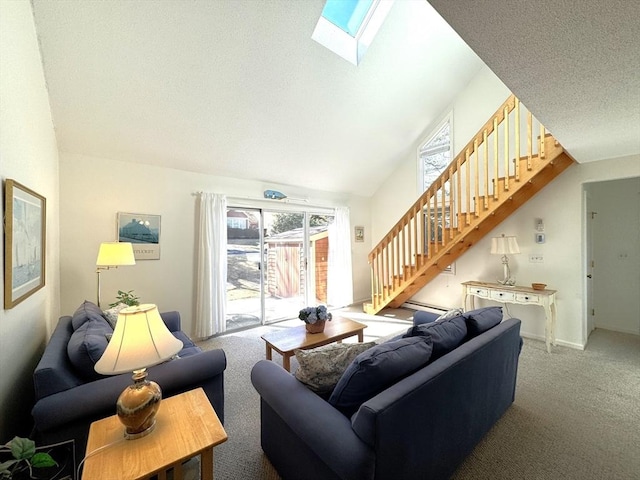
x=113, y=255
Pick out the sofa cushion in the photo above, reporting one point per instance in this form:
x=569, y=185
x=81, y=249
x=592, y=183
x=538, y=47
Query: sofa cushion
x=86, y=346
x=320, y=368
x=86, y=311
x=445, y=334
x=481, y=320
x=378, y=368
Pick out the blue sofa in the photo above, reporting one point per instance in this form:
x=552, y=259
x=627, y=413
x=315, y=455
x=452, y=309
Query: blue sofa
x=421, y=427
x=68, y=399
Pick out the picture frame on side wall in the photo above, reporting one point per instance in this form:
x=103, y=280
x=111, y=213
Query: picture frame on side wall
x=24, y=243
x=143, y=231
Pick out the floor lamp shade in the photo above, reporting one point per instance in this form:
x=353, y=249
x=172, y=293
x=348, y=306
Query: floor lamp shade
x=141, y=339
x=113, y=254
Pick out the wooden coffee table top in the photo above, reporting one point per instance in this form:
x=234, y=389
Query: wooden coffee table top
x=289, y=339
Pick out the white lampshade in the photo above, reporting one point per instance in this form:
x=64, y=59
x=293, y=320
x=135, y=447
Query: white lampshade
x=115, y=253
x=504, y=245
x=141, y=339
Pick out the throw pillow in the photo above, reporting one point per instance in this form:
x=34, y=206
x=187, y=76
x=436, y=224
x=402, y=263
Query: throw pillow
x=320, y=368
x=378, y=368
x=112, y=314
x=481, y=320
x=422, y=316
x=86, y=346
x=87, y=310
x=445, y=334
x=450, y=314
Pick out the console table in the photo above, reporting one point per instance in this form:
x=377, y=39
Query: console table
x=518, y=295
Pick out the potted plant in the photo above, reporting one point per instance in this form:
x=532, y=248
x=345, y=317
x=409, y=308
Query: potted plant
x=315, y=318
x=26, y=461
x=128, y=298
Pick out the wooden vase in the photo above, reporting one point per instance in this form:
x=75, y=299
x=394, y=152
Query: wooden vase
x=317, y=327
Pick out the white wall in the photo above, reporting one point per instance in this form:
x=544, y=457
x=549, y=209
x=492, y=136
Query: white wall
x=93, y=190
x=616, y=247
x=560, y=205
x=28, y=154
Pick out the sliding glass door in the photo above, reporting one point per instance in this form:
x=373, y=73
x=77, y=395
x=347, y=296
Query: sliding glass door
x=277, y=264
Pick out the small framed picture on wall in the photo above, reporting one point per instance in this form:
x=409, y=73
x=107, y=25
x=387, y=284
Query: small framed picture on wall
x=359, y=233
x=143, y=231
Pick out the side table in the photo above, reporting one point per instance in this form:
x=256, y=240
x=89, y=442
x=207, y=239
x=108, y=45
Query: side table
x=186, y=426
x=517, y=295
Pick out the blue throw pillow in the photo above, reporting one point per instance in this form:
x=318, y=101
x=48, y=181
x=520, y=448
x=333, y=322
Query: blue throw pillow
x=445, y=335
x=376, y=369
x=86, y=311
x=483, y=319
x=421, y=317
x=86, y=346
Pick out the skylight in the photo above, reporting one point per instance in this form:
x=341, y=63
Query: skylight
x=347, y=27
x=347, y=14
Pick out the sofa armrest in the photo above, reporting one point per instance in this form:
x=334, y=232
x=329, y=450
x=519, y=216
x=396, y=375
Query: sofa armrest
x=171, y=320
x=97, y=399
x=315, y=423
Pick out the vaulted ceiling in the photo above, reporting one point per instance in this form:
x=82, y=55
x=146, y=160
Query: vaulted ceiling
x=238, y=88
x=574, y=63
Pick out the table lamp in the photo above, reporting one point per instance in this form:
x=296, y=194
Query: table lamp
x=504, y=246
x=140, y=340
x=113, y=255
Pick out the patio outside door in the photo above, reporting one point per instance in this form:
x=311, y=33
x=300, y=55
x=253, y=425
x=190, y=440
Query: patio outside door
x=277, y=264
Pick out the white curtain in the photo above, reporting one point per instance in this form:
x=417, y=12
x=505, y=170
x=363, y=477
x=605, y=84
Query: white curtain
x=340, y=281
x=211, y=281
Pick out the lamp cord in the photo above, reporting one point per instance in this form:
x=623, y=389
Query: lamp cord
x=92, y=453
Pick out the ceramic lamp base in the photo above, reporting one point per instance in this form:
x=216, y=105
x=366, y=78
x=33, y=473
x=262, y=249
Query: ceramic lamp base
x=137, y=406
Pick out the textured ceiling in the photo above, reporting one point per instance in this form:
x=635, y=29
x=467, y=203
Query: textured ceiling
x=574, y=63
x=239, y=89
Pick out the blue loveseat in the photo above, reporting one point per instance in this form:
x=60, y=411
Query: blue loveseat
x=420, y=427
x=69, y=396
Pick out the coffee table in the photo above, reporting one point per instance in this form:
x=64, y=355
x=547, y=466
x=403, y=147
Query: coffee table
x=286, y=341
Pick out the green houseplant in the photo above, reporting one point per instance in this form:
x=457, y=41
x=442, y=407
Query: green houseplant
x=128, y=298
x=26, y=460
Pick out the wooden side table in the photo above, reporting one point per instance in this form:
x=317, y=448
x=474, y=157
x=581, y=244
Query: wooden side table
x=516, y=295
x=186, y=426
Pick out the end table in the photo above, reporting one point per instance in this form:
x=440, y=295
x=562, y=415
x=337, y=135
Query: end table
x=186, y=426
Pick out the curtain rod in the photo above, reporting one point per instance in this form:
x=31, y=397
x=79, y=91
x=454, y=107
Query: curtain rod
x=292, y=201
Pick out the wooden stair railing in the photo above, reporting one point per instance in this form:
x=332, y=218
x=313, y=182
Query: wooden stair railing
x=510, y=159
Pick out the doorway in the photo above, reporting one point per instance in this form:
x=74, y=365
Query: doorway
x=277, y=263
x=613, y=245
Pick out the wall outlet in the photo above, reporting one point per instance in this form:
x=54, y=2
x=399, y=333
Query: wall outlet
x=536, y=258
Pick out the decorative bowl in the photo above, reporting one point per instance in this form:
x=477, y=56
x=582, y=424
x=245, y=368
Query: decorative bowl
x=538, y=286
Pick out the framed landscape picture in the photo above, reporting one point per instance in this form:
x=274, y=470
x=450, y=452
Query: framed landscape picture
x=24, y=243
x=143, y=231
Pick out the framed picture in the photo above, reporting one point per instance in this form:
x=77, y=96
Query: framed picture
x=143, y=231
x=24, y=243
x=359, y=233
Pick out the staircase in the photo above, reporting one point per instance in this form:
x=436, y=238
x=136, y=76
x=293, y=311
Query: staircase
x=508, y=161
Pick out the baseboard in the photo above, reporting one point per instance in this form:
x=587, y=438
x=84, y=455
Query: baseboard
x=614, y=329
x=425, y=307
x=575, y=346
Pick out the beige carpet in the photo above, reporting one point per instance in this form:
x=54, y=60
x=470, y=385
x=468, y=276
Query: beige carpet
x=576, y=414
